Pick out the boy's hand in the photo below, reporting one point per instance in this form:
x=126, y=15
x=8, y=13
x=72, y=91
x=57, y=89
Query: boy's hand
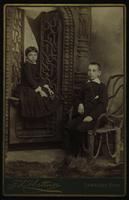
x=43, y=94
x=81, y=108
x=87, y=119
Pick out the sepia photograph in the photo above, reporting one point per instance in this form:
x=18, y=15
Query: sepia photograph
x=64, y=122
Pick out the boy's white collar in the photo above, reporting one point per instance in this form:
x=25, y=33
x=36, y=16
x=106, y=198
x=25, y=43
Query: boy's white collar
x=96, y=80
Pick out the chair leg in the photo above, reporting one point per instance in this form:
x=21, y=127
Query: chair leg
x=118, y=145
x=91, y=144
x=83, y=144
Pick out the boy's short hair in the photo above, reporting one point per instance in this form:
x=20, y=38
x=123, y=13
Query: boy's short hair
x=95, y=63
x=30, y=49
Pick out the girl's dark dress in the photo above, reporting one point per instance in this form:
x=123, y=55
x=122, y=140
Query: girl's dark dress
x=32, y=104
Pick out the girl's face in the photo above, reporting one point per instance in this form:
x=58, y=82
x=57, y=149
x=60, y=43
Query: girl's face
x=32, y=57
x=93, y=72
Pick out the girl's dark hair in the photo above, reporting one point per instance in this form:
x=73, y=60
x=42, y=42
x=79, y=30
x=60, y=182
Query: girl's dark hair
x=95, y=63
x=30, y=49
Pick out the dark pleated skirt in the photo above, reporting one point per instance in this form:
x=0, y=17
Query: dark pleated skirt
x=35, y=106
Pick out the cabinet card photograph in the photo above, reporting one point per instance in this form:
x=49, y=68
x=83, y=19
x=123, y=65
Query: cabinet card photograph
x=64, y=124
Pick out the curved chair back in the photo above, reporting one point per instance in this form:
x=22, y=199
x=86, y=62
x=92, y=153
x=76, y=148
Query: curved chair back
x=115, y=88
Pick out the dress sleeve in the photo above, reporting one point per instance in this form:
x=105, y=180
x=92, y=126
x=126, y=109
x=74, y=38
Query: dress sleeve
x=28, y=75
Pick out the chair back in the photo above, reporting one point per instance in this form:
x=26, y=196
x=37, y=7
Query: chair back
x=115, y=88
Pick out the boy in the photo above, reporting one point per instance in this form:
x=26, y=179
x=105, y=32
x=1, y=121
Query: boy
x=92, y=103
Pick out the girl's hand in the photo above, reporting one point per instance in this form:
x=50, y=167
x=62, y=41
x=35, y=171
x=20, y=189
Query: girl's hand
x=49, y=90
x=43, y=94
x=87, y=119
x=81, y=108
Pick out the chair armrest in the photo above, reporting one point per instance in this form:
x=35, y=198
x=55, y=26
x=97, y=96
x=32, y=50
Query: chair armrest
x=110, y=118
x=103, y=115
x=99, y=121
x=14, y=101
x=116, y=116
x=118, y=119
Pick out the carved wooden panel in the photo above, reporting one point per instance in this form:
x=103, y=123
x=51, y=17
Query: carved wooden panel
x=17, y=46
x=14, y=46
x=83, y=38
x=14, y=34
x=68, y=58
x=57, y=54
x=51, y=49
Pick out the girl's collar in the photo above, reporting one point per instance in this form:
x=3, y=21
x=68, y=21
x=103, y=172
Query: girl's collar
x=96, y=80
x=27, y=60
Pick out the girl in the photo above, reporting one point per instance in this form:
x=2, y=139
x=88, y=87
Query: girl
x=37, y=98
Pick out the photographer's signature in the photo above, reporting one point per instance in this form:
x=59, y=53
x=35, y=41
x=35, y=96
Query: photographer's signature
x=37, y=184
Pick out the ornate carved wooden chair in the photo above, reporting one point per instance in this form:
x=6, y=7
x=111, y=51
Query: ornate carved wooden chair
x=114, y=125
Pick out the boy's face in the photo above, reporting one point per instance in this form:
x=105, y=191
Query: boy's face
x=93, y=72
x=32, y=57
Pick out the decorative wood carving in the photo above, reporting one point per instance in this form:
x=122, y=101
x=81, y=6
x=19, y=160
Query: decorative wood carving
x=55, y=50
x=17, y=46
x=13, y=53
x=68, y=58
x=51, y=49
x=14, y=49
x=83, y=37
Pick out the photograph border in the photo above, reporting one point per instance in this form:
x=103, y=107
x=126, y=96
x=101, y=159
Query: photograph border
x=4, y=94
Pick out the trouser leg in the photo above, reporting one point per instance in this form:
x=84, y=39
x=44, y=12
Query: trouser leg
x=83, y=131
x=77, y=132
x=73, y=135
x=69, y=143
x=76, y=142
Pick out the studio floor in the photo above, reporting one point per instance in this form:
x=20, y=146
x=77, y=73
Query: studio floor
x=52, y=163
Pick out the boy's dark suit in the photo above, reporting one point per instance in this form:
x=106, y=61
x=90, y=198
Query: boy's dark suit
x=94, y=97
